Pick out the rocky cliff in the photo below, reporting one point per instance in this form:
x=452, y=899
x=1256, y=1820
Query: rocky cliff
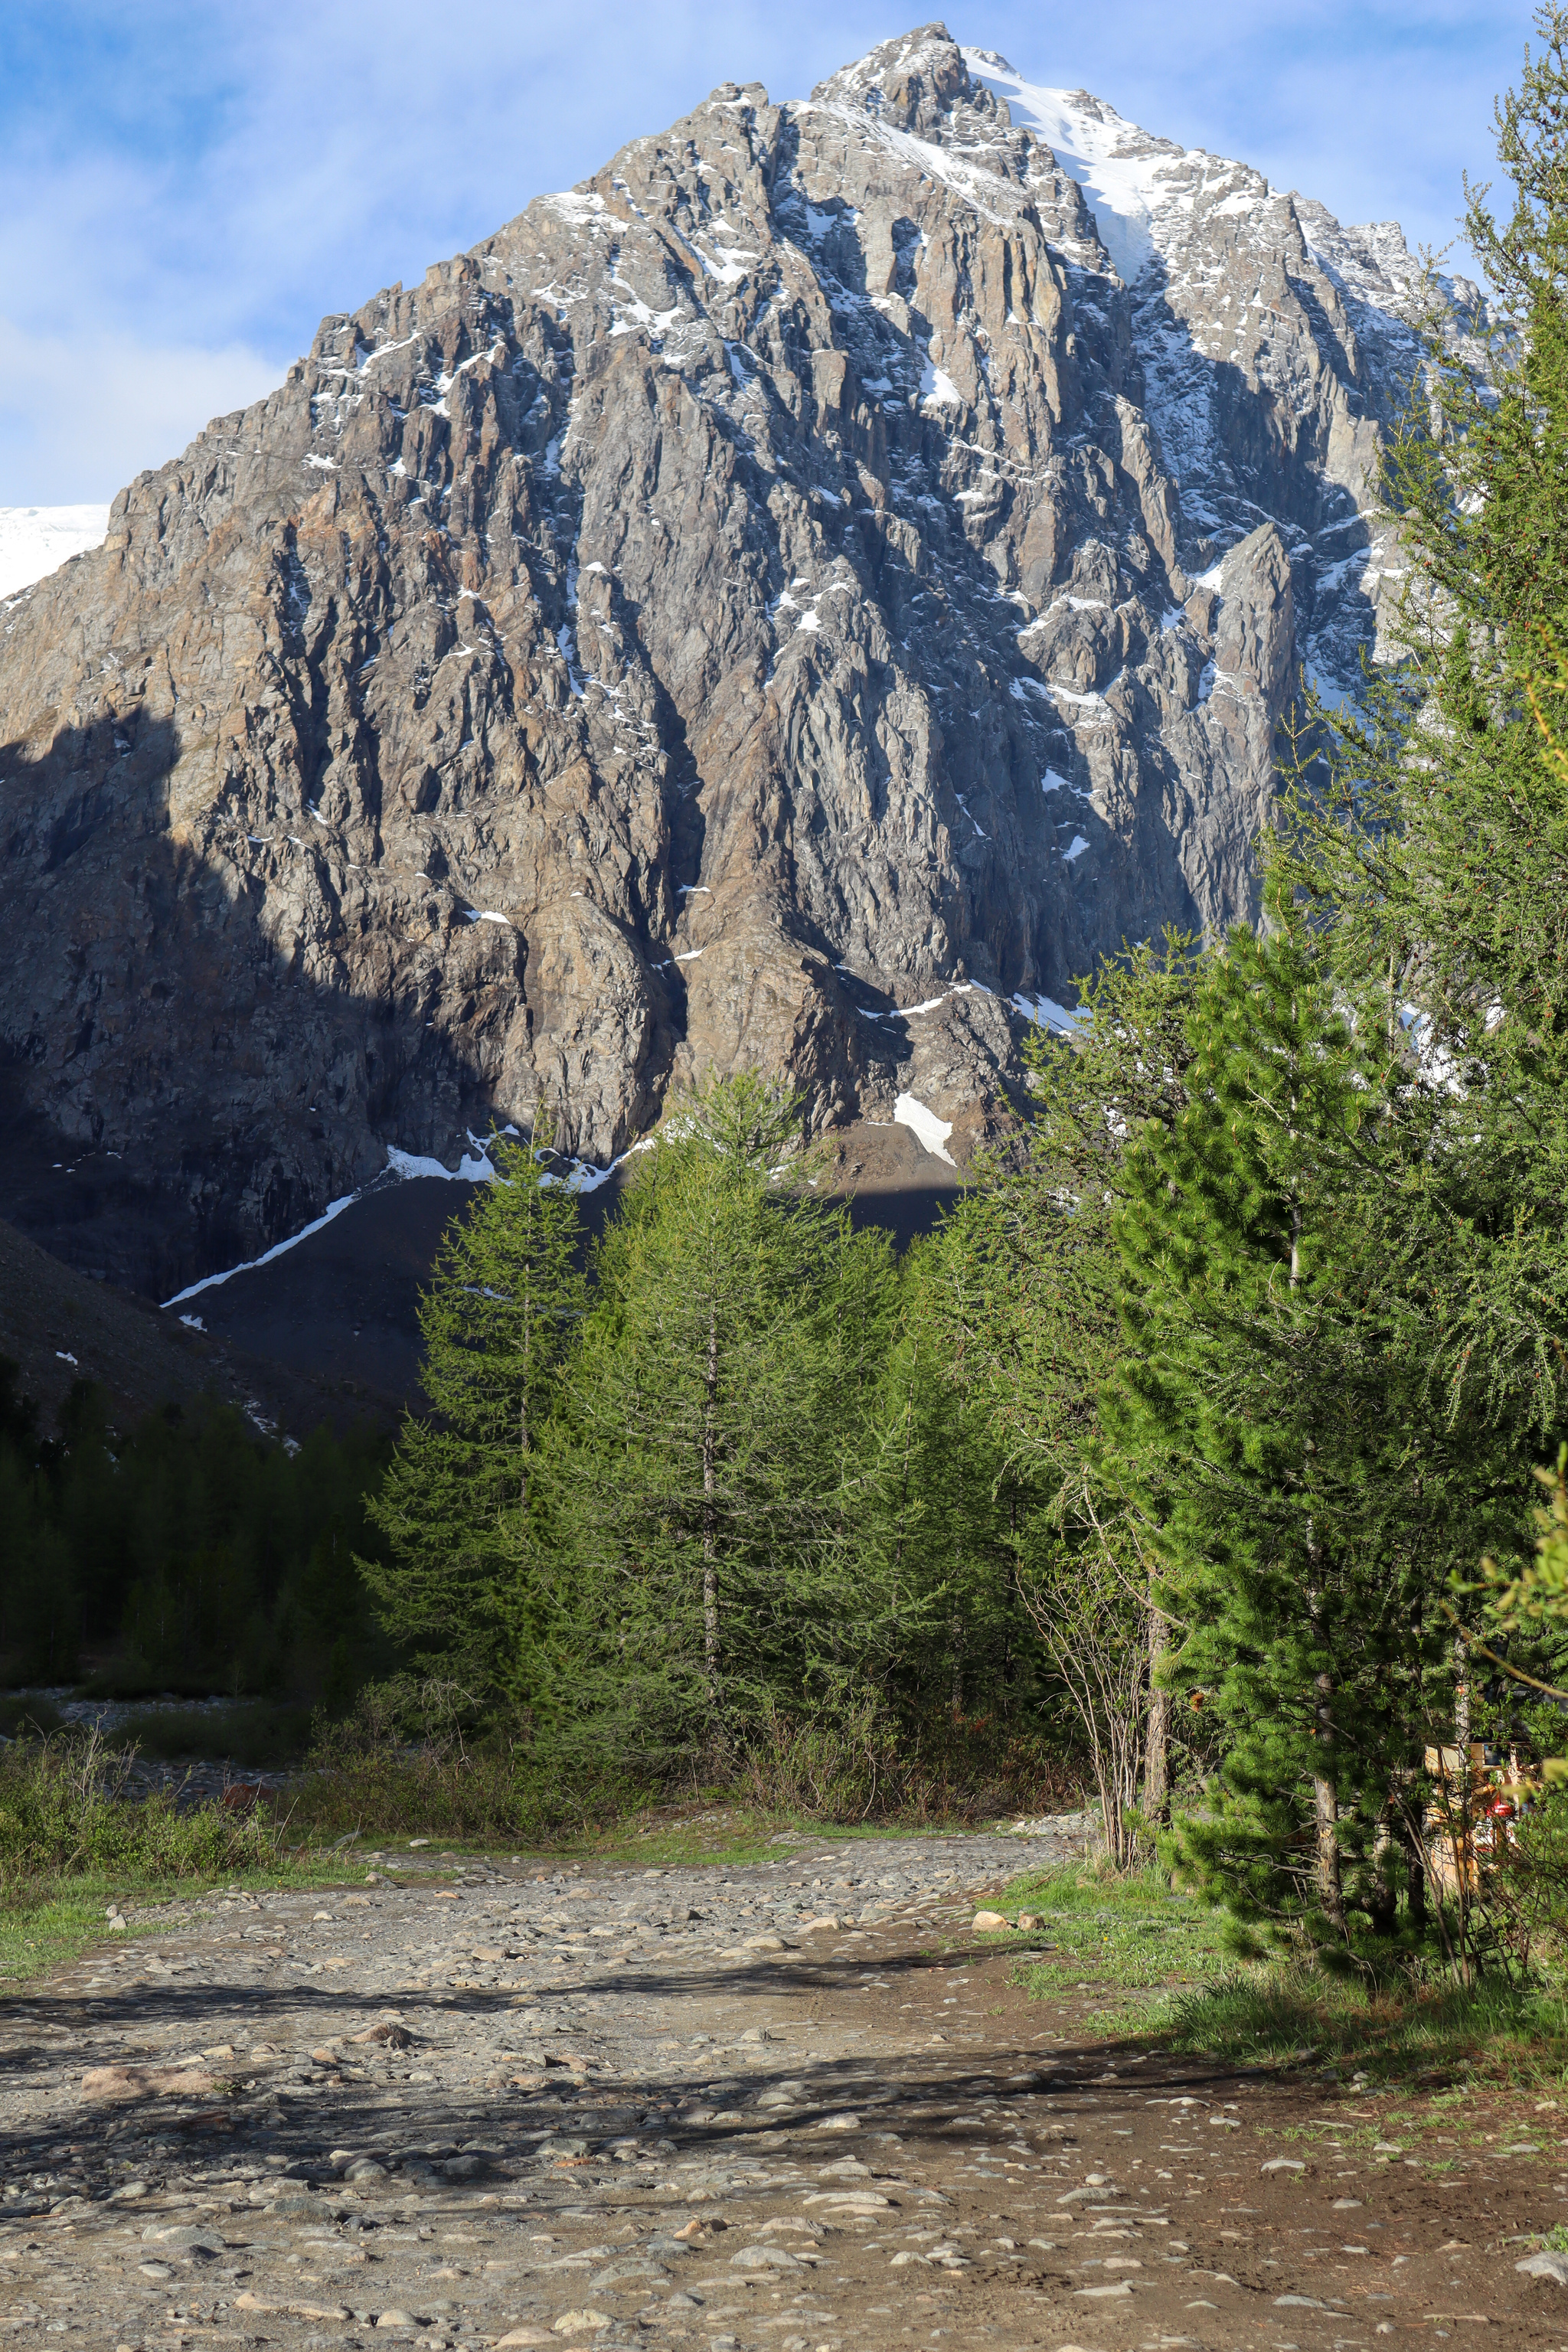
x=799, y=597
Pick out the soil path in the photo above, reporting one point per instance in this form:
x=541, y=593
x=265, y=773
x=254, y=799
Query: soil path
x=757, y=2109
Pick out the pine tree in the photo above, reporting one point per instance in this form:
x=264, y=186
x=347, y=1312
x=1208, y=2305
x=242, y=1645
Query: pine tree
x=930, y=1614
x=464, y=1511
x=703, y=1464
x=1273, y=1415
x=1428, y=833
x=1029, y=1300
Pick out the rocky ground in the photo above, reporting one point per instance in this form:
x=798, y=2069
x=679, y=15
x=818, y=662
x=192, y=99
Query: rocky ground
x=798, y=2105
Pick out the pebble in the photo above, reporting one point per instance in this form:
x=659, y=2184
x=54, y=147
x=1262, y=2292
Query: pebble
x=490, y=2125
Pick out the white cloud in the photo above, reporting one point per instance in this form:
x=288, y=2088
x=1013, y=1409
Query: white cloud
x=188, y=186
x=86, y=413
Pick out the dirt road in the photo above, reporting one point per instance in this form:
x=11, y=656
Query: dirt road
x=761, y=2109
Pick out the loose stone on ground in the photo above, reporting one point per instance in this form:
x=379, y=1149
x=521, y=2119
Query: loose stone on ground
x=764, y=2109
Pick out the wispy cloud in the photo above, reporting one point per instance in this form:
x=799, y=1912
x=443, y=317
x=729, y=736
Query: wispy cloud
x=186, y=189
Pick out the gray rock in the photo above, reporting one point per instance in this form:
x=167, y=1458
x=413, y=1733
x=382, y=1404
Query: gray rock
x=797, y=598
x=1546, y=2266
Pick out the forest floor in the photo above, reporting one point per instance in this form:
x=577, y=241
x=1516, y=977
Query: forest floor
x=768, y=2105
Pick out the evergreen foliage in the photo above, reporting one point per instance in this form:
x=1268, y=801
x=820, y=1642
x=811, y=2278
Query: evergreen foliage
x=747, y=1498
x=465, y=1509
x=1190, y=1431
x=209, y=1555
x=1280, y=1309
x=1272, y=1418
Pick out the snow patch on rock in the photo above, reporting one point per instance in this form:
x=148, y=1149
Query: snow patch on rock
x=930, y=1133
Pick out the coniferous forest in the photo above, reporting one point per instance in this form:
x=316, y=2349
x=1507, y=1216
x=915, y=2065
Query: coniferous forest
x=1207, y=1456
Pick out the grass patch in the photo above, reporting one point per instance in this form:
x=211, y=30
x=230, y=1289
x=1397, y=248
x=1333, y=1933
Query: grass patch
x=50, y=1923
x=1139, y=1934
x=657, y=1838
x=72, y=1844
x=714, y=1827
x=1132, y=1933
x=1513, y=2035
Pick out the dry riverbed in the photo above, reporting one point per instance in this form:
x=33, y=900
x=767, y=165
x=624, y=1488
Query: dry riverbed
x=793, y=2106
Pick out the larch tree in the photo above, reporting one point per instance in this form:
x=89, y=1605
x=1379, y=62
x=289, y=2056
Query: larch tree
x=464, y=1511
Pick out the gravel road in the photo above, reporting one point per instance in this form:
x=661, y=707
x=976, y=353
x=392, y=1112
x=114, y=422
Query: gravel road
x=789, y=2107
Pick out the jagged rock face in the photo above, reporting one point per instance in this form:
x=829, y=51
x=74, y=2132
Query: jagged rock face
x=794, y=599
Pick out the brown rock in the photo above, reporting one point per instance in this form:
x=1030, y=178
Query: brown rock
x=250, y=2302
x=146, y=2082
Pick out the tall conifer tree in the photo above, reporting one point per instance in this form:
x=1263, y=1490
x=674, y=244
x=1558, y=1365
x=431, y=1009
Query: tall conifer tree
x=464, y=1509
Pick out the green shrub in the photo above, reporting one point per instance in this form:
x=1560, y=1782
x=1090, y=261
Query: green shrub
x=23, y=1715
x=64, y=1808
x=416, y=1757
x=861, y=1766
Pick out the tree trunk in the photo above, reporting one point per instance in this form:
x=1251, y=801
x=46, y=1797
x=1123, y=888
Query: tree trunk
x=710, y=1514
x=1325, y=1786
x=1325, y=1789
x=1157, y=1749
x=1415, y=1889
x=1384, y=1904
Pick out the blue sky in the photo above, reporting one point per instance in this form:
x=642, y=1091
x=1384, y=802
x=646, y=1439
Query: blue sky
x=186, y=190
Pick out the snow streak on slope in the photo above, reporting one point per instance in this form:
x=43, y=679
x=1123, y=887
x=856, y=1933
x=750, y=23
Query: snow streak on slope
x=35, y=541
x=1118, y=166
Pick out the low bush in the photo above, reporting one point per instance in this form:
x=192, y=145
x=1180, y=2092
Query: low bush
x=26, y=1715
x=64, y=1808
x=416, y=1757
x=861, y=1766
x=471, y=1799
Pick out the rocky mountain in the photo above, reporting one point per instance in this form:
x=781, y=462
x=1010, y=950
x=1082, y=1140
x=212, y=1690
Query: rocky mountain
x=799, y=597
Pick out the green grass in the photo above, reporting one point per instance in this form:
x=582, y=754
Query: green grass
x=48, y=1924
x=1130, y=1933
x=1434, y=2133
x=73, y=1840
x=722, y=1831
x=1502, y=2034
x=1139, y=1936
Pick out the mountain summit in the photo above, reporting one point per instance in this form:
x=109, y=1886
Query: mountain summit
x=799, y=597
